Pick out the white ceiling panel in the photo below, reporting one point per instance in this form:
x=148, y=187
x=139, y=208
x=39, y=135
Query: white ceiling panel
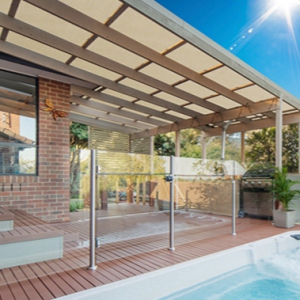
x=161, y=73
x=199, y=109
x=5, y=5
x=193, y=58
x=176, y=114
x=145, y=31
x=52, y=24
x=89, y=67
x=116, y=53
x=186, y=71
x=255, y=93
x=99, y=10
x=171, y=98
x=227, y=78
x=286, y=106
x=137, y=85
x=118, y=95
x=223, y=102
x=150, y=105
x=36, y=46
x=196, y=89
x=133, y=111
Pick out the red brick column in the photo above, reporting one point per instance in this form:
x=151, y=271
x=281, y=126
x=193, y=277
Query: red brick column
x=46, y=195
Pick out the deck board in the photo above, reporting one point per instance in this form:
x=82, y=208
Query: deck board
x=116, y=260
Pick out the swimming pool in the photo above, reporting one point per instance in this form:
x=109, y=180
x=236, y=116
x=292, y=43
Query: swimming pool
x=274, y=277
x=208, y=269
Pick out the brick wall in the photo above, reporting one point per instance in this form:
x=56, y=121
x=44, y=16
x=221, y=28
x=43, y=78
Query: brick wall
x=46, y=195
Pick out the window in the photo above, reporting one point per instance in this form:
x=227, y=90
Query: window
x=17, y=124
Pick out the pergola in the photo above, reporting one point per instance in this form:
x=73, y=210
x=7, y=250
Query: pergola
x=138, y=69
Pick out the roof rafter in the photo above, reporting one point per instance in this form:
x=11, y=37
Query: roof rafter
x=230, y=114
x=97, y=59
x=77, y=18
x=116, y=111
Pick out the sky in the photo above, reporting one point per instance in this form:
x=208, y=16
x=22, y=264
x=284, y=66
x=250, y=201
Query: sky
x=265, y=34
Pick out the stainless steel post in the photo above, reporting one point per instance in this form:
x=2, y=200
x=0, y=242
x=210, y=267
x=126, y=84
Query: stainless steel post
x=233, y=201
x=92, y=211
x=172, y=248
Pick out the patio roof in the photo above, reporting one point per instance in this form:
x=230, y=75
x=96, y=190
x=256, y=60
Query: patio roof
x=136, y=68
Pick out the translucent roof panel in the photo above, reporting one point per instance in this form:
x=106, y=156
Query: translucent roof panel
x=161, y=73
x=92, y=68
x=199, y=109
x=176, y=114
x=150, y=105
x=193, y=58
x=145, y=31
x=100, y=10
x=286, y=106
x=148, y=60
x=37, y=47
x=223, y=102
x=5, y=5
x=171, y=98
x=227, y=78
x=196, y=89
x=116, y=53
x=52, y=24
x=133, y=111
x=118, y=95
x=103, y=102
x=255, y=93
x=137, y=85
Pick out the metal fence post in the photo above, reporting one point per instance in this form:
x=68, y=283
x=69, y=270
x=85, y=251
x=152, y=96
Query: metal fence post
x=233, y=201
x=172, y=248
x=92, y=212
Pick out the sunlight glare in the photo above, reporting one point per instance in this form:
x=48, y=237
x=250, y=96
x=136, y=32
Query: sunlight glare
x=285, y=5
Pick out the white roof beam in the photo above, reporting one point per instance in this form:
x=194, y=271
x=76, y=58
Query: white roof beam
x=73, y=16
x=254, y=125
x=116, y=111
x=230, y=114
x=100, y=124
x=114, y=100
x=92, y=57
x=84, y=75
x=107, y=117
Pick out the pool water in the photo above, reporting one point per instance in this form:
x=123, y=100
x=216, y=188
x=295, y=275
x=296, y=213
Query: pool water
x=274, y=277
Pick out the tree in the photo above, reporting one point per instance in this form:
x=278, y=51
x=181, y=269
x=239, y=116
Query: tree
x=262, y=146
x=190, y=143
x=164, y=145
x=78, y=140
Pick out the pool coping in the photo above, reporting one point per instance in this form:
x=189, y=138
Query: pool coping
x=163, y=282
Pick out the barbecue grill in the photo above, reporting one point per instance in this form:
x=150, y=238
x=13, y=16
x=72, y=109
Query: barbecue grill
x=255, y=196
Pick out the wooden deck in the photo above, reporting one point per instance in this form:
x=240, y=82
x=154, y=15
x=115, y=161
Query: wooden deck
x=120, y=259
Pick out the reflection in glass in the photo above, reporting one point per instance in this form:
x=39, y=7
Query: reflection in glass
x=17, y=124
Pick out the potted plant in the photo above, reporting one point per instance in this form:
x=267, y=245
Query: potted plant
x=283, y=214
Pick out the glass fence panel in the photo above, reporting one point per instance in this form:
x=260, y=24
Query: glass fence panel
x=133, y=201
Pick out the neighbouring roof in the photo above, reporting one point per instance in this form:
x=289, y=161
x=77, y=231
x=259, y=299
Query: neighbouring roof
x=136, y=68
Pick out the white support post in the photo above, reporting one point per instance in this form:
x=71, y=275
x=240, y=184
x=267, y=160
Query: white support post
x=151, y=145
x=151, y=153
x=171, y=220
x=177, y=143
x=278, y=156
x=243, y=147
x=203, y=145
x=223, y=143
x=92, y=211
